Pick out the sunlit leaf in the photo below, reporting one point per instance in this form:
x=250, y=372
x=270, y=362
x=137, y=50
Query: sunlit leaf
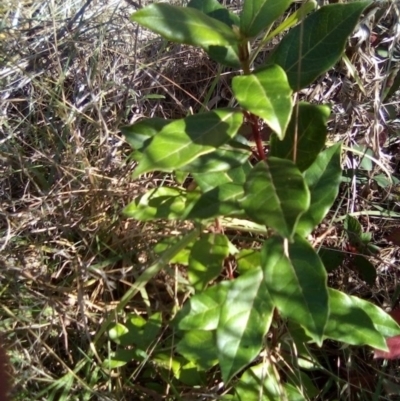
x=315, y=45
x=137, y=134
x=117, y=331
x=248, y=259
x=181, y=141
x=225, y=158
x=199, y=346
x=158, y=203
x=297, y=284
x=185, y=25
x=202, y=311
x=323, y=179
x=276, y=195
x=267, y=94
x=245, y=318
x=351, y=322
x=237, y=175
x=260, y=383
x=219, y=201
x=206, y=259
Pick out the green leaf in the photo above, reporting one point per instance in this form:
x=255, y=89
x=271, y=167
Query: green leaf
x=383, y=323
x=206, y=259
x=245, y=318
x=225, y=158
x=185, y=25
x=305, y=136
x=119, y=358
x=364, y=268
x=215, y=10
x=267, y=94
x=323, y=180
x=276, y=195
x=208, y=181
x=198, y=346
x=260, y=383
x=137, y=134
x=248, y=259
x=182, y=141
x=314, y=46
x=158, y=203
x=351, y=322
x=219, y=201
x=118, y=331
x=202, y=311
x=297, y=284
x=300, y=387
x=143, y=332
x=353, y=230
x=331, y=258
x=181, y=257
x=258, y=15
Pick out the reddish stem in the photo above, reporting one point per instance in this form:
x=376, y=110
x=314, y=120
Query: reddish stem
x=255, y=128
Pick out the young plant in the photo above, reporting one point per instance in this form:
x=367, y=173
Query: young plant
x=278, y=302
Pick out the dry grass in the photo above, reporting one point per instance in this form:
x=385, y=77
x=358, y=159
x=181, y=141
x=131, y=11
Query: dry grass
x=71, y=73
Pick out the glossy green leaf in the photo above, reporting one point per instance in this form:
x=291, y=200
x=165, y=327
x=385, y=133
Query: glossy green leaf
x=297, y=284
x=248, y=259
x=267, y=94
x=206, y=259
x=237, y=175
x=258, y=15
x=323, y=180
x=260, y=383
x=137, y=134
x=198, y=346
x=158, y=203
x=245, y=318
x=305, y=136
x=383, y=323
x=214, y=9
x=219, y=201
x=202, y=311
x=225, y=158
x=185, y=25
x=352, y=323
x=276, y=195
x=182, y=141
x=315, y=45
